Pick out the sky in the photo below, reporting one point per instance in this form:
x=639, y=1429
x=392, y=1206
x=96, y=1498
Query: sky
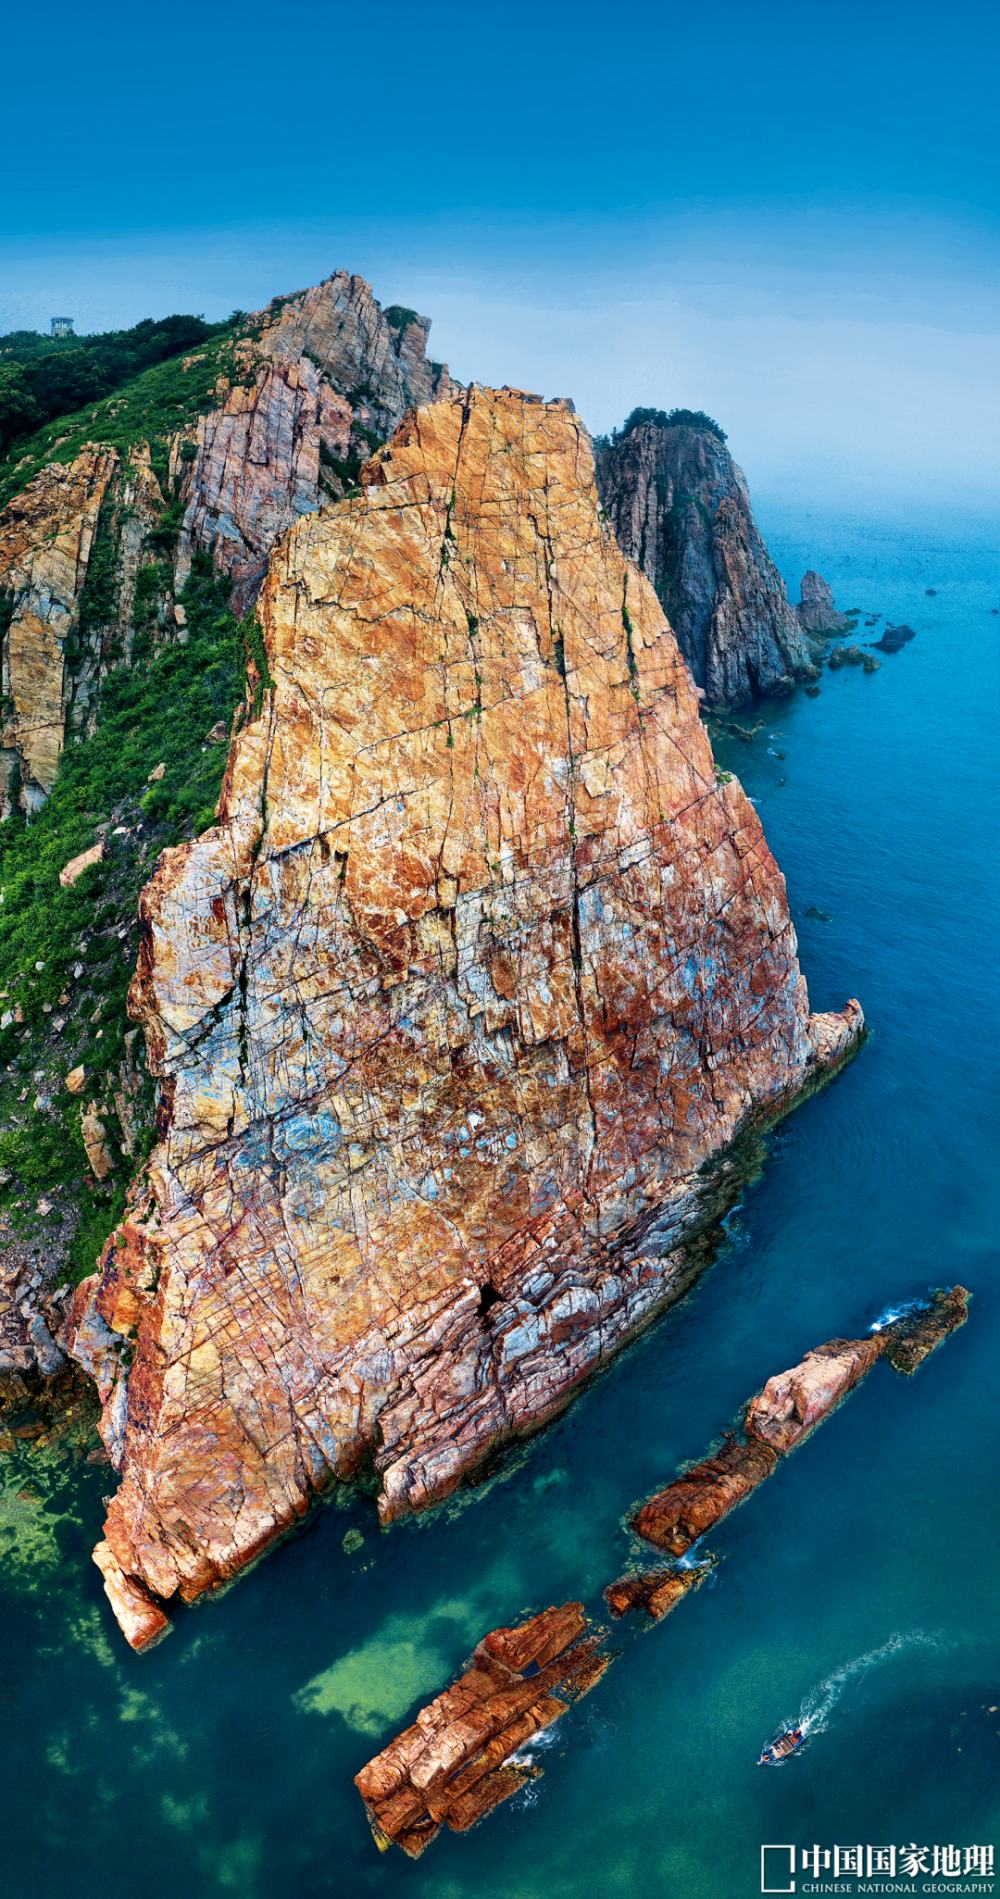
x=786, y=214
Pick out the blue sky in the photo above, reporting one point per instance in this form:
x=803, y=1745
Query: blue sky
x=786, y=214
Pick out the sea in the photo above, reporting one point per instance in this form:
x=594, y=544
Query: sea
x=856, y=1590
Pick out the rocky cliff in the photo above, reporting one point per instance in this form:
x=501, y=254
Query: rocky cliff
x=326, y=375
x=480, y=965
x=95, y=551
x=680, y=509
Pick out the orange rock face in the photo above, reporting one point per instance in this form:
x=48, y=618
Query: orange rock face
x=46, y=535
x=676, y=1517
x=448, y=1768
x=479, y=966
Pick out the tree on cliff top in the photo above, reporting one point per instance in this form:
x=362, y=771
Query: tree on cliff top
x=675, y=419
x=45, y=377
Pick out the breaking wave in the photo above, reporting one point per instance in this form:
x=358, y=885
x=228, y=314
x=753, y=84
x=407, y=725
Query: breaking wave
x=901, y=1311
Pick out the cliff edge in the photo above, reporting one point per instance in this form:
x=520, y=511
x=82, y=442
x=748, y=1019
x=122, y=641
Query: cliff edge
x=479, y=966
x=681, y=511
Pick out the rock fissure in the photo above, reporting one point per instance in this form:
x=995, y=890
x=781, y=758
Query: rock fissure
x=488, y=1041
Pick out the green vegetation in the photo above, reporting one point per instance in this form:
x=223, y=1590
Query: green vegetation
x=158, y=713
x=42, y=377
x=398, y=318
x=153, y=406
x=662, y=419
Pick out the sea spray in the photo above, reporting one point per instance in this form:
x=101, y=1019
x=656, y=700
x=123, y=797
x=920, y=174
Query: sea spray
x=818, y=1705
x=904, y=1310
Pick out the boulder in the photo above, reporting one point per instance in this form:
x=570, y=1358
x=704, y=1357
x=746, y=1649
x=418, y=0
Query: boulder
x=792, y=1403
x=77, y=865
x=95, y=1140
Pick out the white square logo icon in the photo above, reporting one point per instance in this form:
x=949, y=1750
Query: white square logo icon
x=777, y=1864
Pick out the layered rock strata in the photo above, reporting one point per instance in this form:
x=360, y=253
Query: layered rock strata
x=449, y=1767
x=327, y=372
x=816, y=611
x=681, y=511
x=479, y=967
x=656, y=1592
x=782, y=1415
x=53, y=665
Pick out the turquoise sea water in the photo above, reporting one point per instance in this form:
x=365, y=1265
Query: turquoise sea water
x=222, y=1762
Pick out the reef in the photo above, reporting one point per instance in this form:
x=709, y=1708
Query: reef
x=783, y=1414
x=449, y=1767
x=470, y=1749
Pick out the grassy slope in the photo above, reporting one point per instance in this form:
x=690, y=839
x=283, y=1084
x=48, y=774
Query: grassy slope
x=159, y=712
x=150, y=407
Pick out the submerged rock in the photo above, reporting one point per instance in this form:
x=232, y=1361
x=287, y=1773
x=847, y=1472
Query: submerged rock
x=449, y=1767
x=908, y=1341
x=478, y=969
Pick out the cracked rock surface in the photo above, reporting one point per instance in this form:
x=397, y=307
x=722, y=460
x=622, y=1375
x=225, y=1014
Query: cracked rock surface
x=328, y=372
x=479, y=966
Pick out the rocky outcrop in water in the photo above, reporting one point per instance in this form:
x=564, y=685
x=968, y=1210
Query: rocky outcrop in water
x=794, y=1402
x=692, y=1505
x=680, y=509
x=816, y=611
x=448, y=1768
x=656, y=1592
x=479, y=967
x=786, y=1411
x=909, y=1340
x=852, y=656
x=894, y=638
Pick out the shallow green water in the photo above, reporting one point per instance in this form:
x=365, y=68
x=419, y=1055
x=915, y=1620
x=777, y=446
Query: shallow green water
x=222, y=1762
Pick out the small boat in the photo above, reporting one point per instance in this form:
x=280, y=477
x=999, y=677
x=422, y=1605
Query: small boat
x=779, y=1750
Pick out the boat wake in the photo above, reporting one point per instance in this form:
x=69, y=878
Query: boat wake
x=818, y=1706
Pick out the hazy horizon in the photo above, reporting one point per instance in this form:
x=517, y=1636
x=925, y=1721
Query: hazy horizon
x=786, y=219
